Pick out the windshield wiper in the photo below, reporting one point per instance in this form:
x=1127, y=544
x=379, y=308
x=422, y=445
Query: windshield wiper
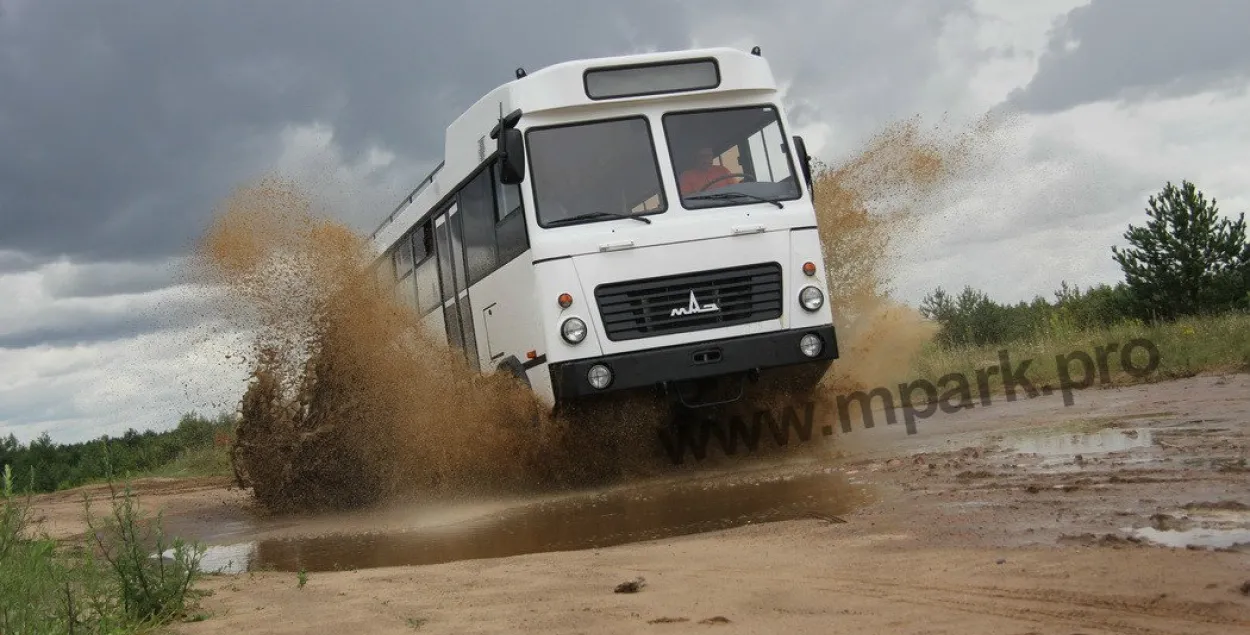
x=724, y=195
x=590, y=215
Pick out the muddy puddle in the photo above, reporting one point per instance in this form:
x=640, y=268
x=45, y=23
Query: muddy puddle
x=1198, y=529
x=1070, y=451
x=1197, y=537
x=583, y=522
x=1067, y=445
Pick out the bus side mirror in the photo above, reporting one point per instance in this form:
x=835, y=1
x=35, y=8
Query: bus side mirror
x=511, y=157
x=805, y=161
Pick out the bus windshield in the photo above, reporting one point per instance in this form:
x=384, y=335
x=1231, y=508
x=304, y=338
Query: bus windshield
x=594, y=171
x=730, y=156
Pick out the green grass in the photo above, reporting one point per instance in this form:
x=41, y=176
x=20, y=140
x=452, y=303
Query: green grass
x=109, y=583
x=191, y=463
x=1186, y=348
x=208, y=461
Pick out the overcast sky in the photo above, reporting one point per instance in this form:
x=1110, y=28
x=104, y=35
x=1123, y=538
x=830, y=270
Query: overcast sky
x=124, y=123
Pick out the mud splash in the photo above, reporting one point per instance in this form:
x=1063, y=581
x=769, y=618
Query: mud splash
x=350, y=403
x=869, y=207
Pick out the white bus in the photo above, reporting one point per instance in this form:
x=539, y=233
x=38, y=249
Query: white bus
x=629, y=223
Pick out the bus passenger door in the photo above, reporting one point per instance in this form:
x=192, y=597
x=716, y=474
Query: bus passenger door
x=457, y=311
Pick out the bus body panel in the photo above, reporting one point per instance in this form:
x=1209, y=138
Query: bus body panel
x=540, y=382
x=670, y=229
x=435, y=326
x=805, y=247
x=503, y=314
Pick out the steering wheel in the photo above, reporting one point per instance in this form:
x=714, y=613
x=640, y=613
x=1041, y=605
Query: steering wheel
x=722, y=178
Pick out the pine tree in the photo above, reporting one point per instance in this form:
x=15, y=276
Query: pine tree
x=1187, y=260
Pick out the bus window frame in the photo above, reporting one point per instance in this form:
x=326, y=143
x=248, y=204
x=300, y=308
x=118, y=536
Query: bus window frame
x=655, y=158
x=781, y=127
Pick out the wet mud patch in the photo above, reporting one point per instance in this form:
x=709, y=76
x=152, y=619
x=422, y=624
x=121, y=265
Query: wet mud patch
x=1222, y=525
x=596, y=520
x=1071, y=445
x=1063, y=451
x=1093, y=480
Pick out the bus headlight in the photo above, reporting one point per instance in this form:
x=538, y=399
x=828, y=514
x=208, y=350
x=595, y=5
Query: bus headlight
x=573, y=330
x=810, y=345
x=811, y=298
x=599, y=376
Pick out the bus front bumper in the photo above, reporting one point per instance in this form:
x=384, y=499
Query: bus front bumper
x=701, y=360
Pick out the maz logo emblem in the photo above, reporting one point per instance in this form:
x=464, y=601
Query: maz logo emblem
x=694, y=307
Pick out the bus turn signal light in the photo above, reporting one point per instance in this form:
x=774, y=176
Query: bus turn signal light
x=809, y=268
x=566, y=300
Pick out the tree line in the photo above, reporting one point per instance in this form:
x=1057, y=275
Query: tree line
x=56, y=466
x=1185, y=261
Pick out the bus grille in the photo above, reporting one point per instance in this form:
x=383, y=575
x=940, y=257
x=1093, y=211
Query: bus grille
x=690, y=301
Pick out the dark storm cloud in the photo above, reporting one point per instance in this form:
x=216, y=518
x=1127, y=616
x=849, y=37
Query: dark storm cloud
x=14, y=262
x=84, y=322
x=83, y=327
x=123, y=123
x=1134, y=49
x=102, y=279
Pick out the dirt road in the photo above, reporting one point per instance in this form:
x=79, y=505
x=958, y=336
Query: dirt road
x=1128, y=512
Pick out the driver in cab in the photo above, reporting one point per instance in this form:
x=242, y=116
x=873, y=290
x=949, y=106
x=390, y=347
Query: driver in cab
x=704, y=174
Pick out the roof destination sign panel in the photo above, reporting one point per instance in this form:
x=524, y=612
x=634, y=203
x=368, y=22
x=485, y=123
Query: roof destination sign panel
x=652, y=79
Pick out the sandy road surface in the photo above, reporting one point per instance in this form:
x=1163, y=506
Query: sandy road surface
x=1128, y=512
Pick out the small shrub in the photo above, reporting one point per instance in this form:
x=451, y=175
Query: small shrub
x=152, y=587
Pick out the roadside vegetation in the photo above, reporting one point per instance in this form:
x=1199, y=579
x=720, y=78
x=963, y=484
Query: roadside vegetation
x=197, y=446
x=1186, y=290
x=110, y=581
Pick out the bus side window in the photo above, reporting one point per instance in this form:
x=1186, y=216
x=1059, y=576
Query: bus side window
x=403, y=257
x=478, y=211
x=426, y=270
x=507, y=199
x=407, y=290
x=422, y=243
x=443, y=251
x=385, y=272
x=510, y=232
